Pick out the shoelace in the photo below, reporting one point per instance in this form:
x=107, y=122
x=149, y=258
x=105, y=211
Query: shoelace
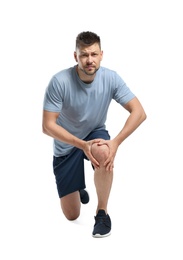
x=102, y=220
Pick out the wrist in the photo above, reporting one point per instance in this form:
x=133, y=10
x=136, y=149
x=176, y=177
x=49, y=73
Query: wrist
x=79, y=143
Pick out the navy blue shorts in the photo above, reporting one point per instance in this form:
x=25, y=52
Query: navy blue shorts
x=69, y=169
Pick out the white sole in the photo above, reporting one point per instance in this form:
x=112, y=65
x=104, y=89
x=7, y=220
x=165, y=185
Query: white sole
x=100, y=236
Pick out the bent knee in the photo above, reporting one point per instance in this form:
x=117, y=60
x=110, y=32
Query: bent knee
x=71, y=216
x=70, y=205
x=100, y=153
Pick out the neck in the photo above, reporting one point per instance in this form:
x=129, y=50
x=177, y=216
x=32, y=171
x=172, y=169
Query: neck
x=83, y=76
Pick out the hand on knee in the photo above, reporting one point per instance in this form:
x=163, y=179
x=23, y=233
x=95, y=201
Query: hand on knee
x=100, y=153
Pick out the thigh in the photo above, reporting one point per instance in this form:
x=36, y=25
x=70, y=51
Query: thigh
x=102, y=133
x=69, y=172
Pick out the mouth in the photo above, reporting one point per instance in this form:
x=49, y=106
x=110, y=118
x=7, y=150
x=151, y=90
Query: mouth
x=90, y=67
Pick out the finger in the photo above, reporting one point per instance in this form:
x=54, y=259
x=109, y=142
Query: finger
x=94, y=161
x=95, y=166
x=109, y=164
x=108, y=168
x=102, y=143
x=96, y=140
x=108, y=161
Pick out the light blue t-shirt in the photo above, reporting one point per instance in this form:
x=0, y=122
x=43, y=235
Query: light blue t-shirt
x=83, y=107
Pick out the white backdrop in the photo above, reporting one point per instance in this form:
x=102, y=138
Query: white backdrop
x=142, y=41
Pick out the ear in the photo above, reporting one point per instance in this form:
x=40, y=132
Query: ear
x=75, y=56
x=101, y=55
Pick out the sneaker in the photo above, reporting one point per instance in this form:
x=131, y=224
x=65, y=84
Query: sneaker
x=84, y=197
x=102, y=227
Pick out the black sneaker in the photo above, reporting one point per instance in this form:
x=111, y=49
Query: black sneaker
x=84, y=197
x=102, y=227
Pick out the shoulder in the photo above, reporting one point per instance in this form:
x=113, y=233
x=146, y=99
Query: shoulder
x=107, y=71
x=63, y=74
x=111, y=75
x=61, y=79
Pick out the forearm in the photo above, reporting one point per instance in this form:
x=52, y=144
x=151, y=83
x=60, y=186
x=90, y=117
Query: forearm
x=132, y=123
x=59, y=133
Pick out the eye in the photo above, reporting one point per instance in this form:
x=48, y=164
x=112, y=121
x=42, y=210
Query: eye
x=84, y=55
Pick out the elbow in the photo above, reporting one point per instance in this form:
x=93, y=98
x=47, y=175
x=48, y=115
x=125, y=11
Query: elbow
x=143, y=116
x=44, y=130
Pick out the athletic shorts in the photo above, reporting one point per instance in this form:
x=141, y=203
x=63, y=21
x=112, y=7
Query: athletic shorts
x=69, y=169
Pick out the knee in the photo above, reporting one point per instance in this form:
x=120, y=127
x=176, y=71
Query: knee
x=71, y=205
x=71, y=216
x=100, y=153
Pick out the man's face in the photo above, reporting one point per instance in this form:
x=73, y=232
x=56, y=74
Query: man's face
x=89, y=58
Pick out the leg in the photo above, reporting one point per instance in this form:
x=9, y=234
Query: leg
x=71, y=205
x=69, y=174
x=102, y=178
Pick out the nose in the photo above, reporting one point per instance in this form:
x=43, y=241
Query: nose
x=90, y=60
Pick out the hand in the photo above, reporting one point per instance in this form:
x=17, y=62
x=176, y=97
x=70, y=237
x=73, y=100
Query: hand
x=87, y=151
x=113, y=146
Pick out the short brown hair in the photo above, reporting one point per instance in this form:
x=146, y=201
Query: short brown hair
x=87, y=38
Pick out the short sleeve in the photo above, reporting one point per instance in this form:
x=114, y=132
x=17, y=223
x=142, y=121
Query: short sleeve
x=122, y=93
x=53, y=98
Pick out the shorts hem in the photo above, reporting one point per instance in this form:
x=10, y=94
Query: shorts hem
x=69, y=192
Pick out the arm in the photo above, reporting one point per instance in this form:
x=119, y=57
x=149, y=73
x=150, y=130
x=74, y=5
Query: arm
x=51, y=128
x=136, y=117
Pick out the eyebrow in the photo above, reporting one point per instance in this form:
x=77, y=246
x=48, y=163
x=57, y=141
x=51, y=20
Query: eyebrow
x=85, y=52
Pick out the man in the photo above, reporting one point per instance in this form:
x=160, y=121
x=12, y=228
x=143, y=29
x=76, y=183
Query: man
x=74, y=113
